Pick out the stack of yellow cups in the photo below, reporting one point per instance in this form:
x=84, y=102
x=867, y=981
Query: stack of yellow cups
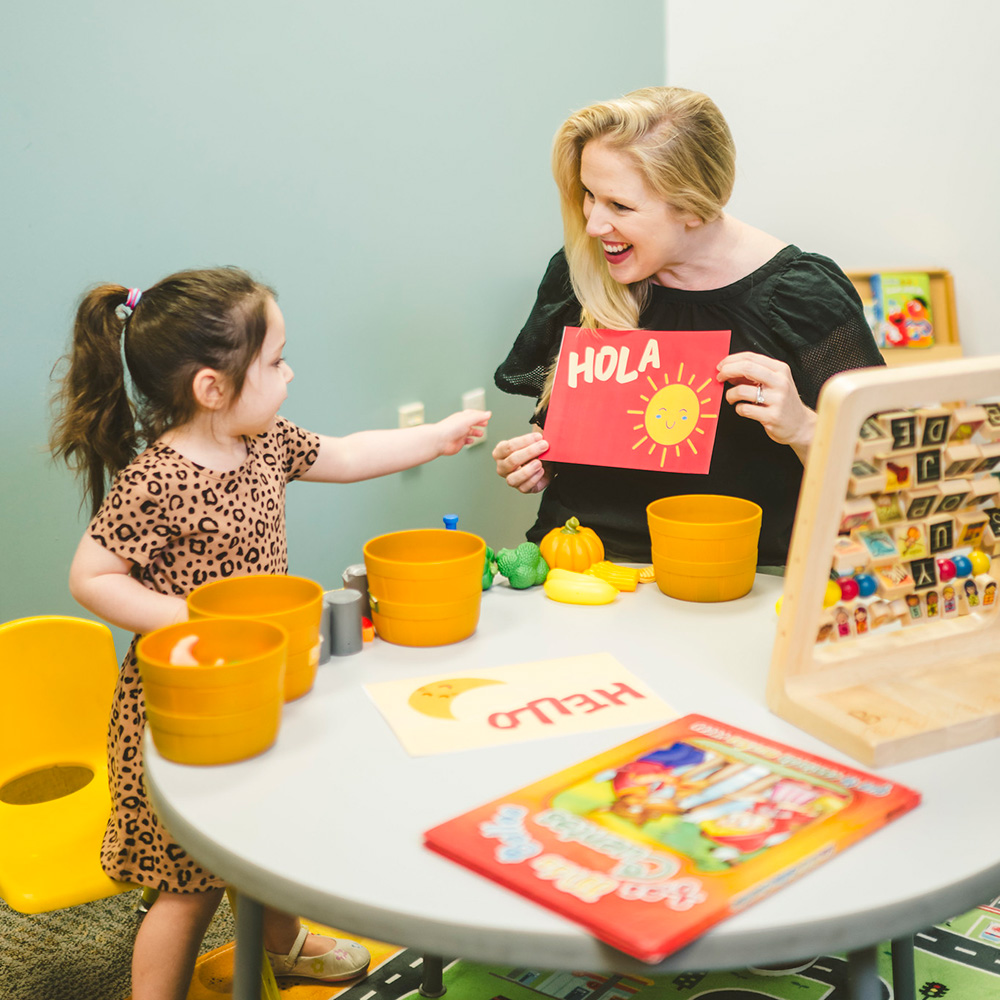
x=220, y=700
x=425, y=586
x=704, y=546
x=292, y=602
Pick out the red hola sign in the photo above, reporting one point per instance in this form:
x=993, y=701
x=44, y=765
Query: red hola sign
x=637, y=399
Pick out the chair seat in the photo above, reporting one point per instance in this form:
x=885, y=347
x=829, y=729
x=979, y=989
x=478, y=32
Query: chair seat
x=70, y=829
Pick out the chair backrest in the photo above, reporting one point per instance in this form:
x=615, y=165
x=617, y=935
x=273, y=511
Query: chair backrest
x=57, y=680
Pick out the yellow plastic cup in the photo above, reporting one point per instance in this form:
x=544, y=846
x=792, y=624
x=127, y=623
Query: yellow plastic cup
x=425, y=586
x=292, y=602
x=704, y=546
x=252, y=672
x=214, y=739
x=215, y=712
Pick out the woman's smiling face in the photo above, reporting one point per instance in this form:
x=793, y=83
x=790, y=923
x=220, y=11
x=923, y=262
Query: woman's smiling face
x=640, y=233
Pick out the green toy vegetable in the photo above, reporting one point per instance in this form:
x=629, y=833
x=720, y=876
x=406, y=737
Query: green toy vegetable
x=524, y=566
x=490, y=569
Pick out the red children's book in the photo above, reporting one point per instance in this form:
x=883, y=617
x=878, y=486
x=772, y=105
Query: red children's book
x=636, y=399
x=651, y=843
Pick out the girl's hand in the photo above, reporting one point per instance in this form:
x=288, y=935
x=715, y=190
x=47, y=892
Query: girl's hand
x=763, y=390
x=518, y=462
x=460, y=429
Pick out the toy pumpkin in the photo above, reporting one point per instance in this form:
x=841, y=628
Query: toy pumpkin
x=572, y=547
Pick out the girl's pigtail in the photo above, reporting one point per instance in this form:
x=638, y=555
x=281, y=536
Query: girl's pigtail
x=95, y=427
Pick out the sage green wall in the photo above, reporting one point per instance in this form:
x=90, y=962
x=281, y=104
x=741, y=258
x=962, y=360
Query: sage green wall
x=383, y=165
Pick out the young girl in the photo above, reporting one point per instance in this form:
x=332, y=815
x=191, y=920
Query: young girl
x=204, y=500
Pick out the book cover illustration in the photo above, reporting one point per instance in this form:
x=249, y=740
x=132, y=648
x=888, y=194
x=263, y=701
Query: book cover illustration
x=636, y=399
x=651, y=843
x=902, y=309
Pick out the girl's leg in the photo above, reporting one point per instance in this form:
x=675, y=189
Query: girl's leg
x=166, y=946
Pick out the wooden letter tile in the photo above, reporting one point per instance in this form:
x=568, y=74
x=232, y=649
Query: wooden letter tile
x=873, y=439
x=933, y=424
x=969, y=526
x=960, y=460
x=865, y=478
x=940, y=534
x=954, y=493
x=966, y=422
x=902, y=428
x=917, y=504
x=911, y=540
x=857, y=515
x=894, y=580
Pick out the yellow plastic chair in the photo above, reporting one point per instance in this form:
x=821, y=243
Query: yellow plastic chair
x=57, y=681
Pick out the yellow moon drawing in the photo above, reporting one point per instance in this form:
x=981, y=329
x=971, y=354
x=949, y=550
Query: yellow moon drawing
x=435, y=699
x=672, y=414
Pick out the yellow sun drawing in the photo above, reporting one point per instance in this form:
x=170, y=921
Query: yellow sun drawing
x=672, y=415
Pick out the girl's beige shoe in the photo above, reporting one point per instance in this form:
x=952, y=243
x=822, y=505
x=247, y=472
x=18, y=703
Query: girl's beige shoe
x=345, y=960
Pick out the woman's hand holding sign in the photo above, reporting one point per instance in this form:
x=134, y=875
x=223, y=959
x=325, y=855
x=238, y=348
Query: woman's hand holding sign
x=519, y=464
x=763, y=390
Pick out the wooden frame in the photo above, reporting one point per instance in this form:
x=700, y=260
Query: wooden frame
x=891, y=695
x=947, y=344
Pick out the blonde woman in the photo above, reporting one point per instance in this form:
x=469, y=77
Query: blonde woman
x=643, y=183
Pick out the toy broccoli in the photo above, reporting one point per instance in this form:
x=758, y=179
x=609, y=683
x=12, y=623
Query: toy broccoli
x=489, y=569
x=524, y=566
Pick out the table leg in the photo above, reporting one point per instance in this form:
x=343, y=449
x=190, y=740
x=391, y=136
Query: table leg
x=249, y=949
x=904, y=983
x=432, y=984
x=862, y=974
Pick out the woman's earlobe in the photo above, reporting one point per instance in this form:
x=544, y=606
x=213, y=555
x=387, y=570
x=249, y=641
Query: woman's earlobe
x=209, y=389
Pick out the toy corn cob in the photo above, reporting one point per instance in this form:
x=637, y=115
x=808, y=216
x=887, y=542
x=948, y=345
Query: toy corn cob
x=620, y=577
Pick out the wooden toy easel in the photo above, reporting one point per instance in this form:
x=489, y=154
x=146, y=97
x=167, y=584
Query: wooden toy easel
x=890, y=695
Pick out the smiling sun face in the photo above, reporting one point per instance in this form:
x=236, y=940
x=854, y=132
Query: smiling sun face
x=672, y=415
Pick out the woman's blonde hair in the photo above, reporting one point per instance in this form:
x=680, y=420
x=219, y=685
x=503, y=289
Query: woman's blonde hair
x=682, y=147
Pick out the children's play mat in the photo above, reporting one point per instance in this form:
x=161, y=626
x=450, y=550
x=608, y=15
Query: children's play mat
x=957, y=960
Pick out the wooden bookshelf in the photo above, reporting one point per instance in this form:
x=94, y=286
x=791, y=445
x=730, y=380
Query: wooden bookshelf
x=947, y=344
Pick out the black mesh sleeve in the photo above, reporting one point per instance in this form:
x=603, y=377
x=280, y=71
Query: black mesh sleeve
x=817, y=313
x=523, y=372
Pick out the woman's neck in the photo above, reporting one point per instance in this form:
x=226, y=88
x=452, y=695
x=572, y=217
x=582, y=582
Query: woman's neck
x=719, y=253
x=203, y=440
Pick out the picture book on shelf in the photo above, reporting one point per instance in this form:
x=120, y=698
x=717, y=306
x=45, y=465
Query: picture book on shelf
x=651, y=843
x=636, y=399
x=901, y=309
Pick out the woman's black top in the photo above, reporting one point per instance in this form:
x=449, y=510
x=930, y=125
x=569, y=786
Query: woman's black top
x=799, y=308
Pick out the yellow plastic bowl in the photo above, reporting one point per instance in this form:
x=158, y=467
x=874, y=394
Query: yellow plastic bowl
x=426, y=585
x=704, y=582
x=426, y=624
x=704, y=527
x=704, y=547
x=252, y=674
x=214, y=739
x=293, y=602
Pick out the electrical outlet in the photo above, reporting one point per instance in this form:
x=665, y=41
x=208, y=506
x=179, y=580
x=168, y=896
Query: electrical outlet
x=475, y=399
x=411, y=414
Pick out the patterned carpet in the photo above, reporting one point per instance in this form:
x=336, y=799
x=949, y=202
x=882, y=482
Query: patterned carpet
x=84, y=954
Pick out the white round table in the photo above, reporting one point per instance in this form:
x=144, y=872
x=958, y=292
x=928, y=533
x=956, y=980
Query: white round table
x=328, y=822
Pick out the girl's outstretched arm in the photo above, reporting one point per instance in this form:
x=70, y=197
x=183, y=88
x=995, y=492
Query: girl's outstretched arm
x=368, y=454
x=102, y=583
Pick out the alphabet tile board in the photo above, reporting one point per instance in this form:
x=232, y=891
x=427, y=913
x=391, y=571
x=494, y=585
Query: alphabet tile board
x=888, y=642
